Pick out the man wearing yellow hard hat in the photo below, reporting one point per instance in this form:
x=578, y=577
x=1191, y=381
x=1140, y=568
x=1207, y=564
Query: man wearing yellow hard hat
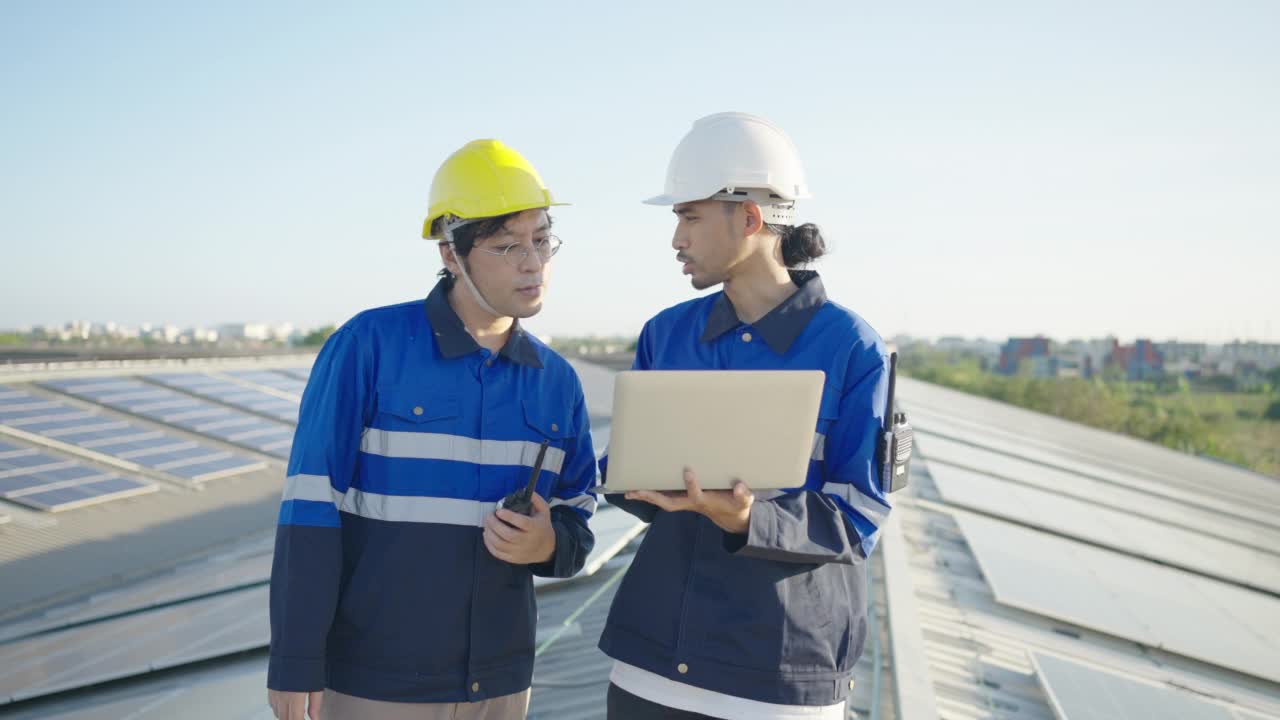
x=442, y=459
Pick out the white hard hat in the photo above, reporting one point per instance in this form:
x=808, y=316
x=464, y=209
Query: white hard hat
x=736, y=156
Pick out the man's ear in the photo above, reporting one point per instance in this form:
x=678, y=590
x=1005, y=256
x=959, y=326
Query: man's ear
x=448, y=257
x=754, y=220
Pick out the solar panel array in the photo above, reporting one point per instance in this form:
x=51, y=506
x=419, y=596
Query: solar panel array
x=59, y=420
x=182, y=410
x=1252, y=527
x=239, y=394
x=1128, y=597
x=46, y=482
x=1127, y=529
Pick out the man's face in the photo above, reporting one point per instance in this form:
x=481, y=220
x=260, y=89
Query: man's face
x=706, y=240
x=513, y=286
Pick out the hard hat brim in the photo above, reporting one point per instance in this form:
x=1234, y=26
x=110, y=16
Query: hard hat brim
x=426, y=225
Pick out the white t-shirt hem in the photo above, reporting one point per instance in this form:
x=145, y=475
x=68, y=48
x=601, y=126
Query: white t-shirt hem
x=655, y=688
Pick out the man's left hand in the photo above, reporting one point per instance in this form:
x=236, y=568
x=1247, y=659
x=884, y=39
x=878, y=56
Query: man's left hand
x=729, y=509
x=521, y=539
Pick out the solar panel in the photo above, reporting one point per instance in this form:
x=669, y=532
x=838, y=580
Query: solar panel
x=299, y=373
x=244, y=395
x=181, y=410
x=51, y=483
x=1124, y=530
x=25, y=481
x=91, y=493
x=117, y=438
x=211, y=469
x=15, y=462
x=1156, y=606
x=1079, y=692
x=276, y=379
x=1241, y=527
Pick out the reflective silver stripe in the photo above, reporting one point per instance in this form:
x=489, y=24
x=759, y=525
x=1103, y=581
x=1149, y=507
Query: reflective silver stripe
x=819, y=447
x=403, y=508
x=582, y=502
x=868, y=507
x=438, y=446
x=311, y=487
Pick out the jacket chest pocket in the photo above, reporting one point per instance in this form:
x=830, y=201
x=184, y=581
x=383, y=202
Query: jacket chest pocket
x=408, y=410
x=549, y=422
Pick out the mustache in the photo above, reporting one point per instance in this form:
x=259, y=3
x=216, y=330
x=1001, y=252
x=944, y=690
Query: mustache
x=681, y=257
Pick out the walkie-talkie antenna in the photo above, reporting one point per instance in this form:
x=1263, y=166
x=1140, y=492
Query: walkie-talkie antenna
x=890, y=414
x=521, y=501
x=537, y=470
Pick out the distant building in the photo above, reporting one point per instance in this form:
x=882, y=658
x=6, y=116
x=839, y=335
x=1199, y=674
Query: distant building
x=1262, y=356
x=246, y=331
x=1067, y=364
x=1184, y=358
x=1139, y=361
x=1025, y=352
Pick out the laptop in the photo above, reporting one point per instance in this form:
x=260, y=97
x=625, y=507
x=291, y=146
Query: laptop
x=758, y=426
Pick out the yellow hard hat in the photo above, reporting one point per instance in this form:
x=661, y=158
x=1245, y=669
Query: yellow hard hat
x=485, y=179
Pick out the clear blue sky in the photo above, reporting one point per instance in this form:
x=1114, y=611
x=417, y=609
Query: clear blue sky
x=994, y=168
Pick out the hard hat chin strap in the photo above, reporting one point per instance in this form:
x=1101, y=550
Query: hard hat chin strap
x=449, y=227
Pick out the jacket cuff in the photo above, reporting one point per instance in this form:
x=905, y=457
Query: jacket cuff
x=292, y=674
x=761, y=530
x=561, y=563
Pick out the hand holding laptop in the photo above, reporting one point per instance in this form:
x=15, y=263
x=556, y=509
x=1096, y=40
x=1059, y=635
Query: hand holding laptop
x=729, y=509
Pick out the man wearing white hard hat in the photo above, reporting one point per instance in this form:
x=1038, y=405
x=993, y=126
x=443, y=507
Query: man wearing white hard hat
x=742, y=605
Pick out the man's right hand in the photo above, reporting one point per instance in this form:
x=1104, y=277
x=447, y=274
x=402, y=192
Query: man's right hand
x=295, y=705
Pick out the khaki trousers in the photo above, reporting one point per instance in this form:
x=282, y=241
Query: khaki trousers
x=337, y=706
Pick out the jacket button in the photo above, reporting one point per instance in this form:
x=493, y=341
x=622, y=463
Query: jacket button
x=475, y=687
x=555, y=427
x=682, y=668
x=417, y=411
x=746, y=337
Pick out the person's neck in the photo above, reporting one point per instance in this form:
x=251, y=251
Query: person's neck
x=489, y=332
x=757, y=286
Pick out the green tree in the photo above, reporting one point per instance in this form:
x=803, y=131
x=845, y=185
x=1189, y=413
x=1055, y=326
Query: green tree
x=316, y=338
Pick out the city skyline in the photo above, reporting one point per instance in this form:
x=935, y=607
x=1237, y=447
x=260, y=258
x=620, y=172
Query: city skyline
x=283, y=328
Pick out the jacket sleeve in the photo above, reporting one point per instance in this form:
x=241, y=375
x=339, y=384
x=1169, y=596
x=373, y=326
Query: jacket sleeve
x=306, y=569
x=841, y=522
x=572, y=502
x=641, y=509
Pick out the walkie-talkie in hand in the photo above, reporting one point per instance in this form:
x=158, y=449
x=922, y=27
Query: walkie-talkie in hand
x=895, y=440
x=521, y=501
